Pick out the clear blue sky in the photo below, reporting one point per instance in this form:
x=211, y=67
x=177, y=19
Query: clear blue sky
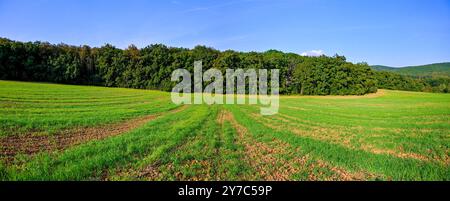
x=388, y=32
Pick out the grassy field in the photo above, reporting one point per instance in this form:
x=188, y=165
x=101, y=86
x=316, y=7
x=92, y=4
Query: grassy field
x=64, y=132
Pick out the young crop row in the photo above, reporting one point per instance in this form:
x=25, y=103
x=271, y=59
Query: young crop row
x=60, y=132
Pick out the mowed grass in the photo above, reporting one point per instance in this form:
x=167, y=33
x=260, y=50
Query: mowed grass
x=26, y=107
x=392, y=135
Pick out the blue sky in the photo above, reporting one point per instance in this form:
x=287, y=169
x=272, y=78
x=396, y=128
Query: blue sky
x=388, y=32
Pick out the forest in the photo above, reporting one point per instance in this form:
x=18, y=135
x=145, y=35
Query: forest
x=151, y=67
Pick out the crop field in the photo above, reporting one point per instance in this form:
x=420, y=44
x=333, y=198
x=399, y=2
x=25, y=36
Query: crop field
x=66, y=132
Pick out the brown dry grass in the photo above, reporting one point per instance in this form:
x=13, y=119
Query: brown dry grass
x=278, y=161
x=379, y=93
x=33, y=143
x=334, y=136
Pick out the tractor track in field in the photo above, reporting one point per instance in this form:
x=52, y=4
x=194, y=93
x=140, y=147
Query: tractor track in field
x=334, y=136
x=153, y=171
x=379, y=93
x=267, y=159
x=33, y=143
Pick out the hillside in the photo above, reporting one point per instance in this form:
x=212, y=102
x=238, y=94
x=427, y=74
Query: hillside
x=430, y=70
x=68, y=132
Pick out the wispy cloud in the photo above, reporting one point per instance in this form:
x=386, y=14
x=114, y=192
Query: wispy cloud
x=204, y=8
x=313, y=53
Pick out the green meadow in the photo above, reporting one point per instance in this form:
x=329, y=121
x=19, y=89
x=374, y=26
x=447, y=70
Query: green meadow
x=67, y=132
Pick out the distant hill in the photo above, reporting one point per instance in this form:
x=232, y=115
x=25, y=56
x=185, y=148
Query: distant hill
x=430, y=70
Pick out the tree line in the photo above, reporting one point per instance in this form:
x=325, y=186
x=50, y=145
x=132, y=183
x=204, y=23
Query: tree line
x=395, y=81
x=151, y=67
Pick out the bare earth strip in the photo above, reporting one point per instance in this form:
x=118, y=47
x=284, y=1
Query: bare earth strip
x=278, y=161
x=31, y=143
x=152, y=171
x=206, y=167
x=335, y=137
x=379, y=93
